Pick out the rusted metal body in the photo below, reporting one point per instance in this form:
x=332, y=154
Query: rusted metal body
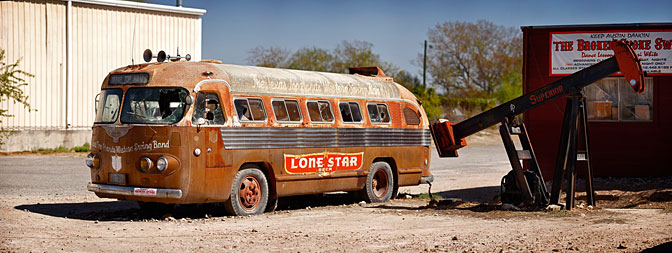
x=203, y=159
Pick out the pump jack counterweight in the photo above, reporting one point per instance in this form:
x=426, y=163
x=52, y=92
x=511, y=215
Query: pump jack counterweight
x=527, y=187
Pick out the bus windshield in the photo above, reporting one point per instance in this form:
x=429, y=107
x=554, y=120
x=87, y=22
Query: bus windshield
x=154, y=105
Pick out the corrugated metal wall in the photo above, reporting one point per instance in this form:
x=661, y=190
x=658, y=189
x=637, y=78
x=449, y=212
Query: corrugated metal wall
x=102, y=41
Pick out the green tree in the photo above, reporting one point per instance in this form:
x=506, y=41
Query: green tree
x=312, y=58
x=272, y=57
x=473, y=57
x=408, y=80
x=346, y=54
x=430, y=100
x=355, y=54
x=11, y=81
x=512, y=87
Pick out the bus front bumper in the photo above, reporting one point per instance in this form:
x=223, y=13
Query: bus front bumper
x=135, y=191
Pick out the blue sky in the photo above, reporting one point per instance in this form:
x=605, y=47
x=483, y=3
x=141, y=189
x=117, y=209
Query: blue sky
x=397, y=29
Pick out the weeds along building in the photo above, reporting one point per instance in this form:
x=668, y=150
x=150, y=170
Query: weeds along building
x=70, y=46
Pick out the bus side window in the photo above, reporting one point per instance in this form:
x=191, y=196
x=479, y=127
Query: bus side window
x=378, y=113
x=293, y=110
x=350, y=112
x=207, y=106
x=286, y=110
x=320, y=111
x=250, y=109
x=411, y=117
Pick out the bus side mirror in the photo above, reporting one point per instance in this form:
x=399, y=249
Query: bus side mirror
x=189, y=100
x=97, y=99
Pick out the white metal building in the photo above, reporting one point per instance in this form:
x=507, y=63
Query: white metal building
x=70, y=46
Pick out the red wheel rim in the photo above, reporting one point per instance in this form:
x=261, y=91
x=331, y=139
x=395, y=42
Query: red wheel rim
x=249, y=193
x=379, y=184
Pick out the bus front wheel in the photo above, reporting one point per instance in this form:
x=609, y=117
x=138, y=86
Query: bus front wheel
x=249, y=193
x=379, y=183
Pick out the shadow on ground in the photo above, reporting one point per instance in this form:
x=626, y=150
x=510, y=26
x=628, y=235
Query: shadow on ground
x=665, y=247
x=485, y=194
x=119, y=211
x=478, y=199
x=129, y=210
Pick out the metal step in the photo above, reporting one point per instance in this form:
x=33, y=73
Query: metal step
x=524, y=154
x=515, y=131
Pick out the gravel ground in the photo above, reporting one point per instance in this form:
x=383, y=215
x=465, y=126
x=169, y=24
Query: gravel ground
x=45, y=207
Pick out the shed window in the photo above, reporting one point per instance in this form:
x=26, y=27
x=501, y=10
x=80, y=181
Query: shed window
x=378, y=113
x=612, y=99
x=350, y=112
x=250, y=109
x=411, y=117
x=320, y=111
x=286, y=110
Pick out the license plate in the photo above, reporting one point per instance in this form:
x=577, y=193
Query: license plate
x=117, y=178
x=144, y=191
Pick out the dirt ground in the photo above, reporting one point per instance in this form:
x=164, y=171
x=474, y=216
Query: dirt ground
x=45, y=207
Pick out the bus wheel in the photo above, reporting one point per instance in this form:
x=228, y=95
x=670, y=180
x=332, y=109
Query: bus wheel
x=249, y=193
x=379, y=183
x=271, y=205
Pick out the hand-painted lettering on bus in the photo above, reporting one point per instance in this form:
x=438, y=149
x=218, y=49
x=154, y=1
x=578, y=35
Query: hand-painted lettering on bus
x=323, y=163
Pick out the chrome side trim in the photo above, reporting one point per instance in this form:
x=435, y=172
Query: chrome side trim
x=426, y=180
x=300, y=137
x=130, y=191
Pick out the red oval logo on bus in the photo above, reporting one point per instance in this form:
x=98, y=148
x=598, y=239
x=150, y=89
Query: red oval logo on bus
x=324, y=163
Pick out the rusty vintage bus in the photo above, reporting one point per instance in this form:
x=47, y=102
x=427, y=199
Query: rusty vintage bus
x=199, y=132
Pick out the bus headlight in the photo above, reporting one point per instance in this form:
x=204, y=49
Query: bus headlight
x=92, y=161
x=162, y=164
x=145, y=163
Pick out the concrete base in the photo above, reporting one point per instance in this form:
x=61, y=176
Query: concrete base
x=27, y=140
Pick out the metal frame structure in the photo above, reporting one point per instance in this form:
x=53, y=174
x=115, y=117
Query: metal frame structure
x=449, y=136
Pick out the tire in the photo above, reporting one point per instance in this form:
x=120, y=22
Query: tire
x=379, y=183
x=271, y=205
x=249, y=193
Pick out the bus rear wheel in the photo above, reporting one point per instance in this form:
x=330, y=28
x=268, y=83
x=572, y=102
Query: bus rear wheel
x=249, y=193
x=379, y=183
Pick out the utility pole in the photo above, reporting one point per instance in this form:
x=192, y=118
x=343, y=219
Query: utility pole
x=424, y=68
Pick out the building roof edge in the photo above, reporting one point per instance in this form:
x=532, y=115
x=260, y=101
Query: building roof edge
x=144, y=6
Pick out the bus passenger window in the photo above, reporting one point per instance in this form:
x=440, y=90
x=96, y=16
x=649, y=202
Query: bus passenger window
x=207, y=106
x=293, y=110
x=411, y=117
x=250, y=109
x=350, y=112
x=378, y=113
x=286, y=110
x=320, y=111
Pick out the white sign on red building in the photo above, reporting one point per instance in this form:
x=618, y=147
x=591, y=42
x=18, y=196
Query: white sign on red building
x=574, y=51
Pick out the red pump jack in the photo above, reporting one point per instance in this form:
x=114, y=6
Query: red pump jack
x=526, y=187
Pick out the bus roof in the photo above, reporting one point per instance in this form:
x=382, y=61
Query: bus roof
x=262, y=80
x=250, y=79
